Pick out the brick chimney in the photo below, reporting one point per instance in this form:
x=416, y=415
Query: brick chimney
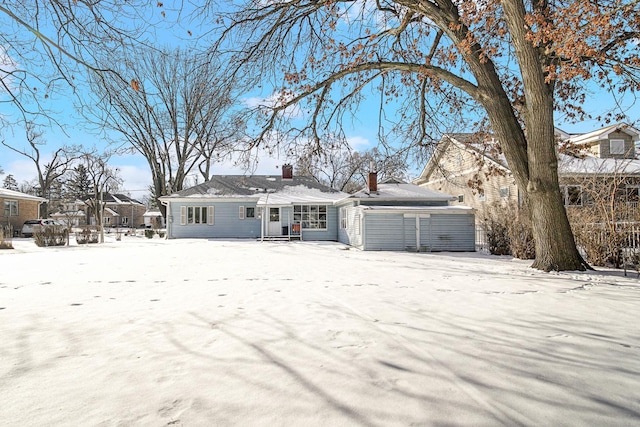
x=287, y=171
x=373, y=179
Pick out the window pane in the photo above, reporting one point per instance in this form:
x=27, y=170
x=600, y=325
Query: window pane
x=190, y=215
x=250, y=212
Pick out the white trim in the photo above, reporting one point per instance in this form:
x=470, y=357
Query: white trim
x=183, y=215
x=210, y=215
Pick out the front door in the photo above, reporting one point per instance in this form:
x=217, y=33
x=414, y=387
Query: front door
x=274, y=222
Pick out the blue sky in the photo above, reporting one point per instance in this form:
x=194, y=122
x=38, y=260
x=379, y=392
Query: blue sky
x=133, y=168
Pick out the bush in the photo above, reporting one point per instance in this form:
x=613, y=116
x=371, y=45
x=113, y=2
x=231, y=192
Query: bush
x=497, y=237
x=86, y=236
x=5, y=243
x=508, y=231
x=148, y=233
x=161, y=234
x=50, y=236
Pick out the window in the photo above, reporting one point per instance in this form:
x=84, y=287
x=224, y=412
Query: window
x=461, y=198
x=572, y=195
x=482, y=197
x=616, y=146
x=343, y=218
x=504, y=192
x=247, y=212
x=107, y=220
x=311, y=216
x=274, y=214
x=195, y=215
x=10, y=208
x=125, y=220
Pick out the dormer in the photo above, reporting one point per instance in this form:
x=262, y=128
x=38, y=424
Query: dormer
x=612, y=142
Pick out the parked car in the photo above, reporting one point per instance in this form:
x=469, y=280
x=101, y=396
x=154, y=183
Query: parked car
x=33, y=225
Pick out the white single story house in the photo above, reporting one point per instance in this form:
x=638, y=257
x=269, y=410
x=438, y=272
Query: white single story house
x=259, y=206
x=394, y=215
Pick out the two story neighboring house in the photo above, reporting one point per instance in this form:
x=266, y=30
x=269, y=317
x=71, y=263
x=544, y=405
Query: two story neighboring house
x=120, y=211
x=476, y=171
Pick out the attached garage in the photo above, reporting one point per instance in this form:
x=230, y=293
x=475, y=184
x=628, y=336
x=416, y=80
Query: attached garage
x=389, y=228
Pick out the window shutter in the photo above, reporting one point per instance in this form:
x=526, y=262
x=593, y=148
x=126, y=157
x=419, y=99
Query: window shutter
x=210, y=215
x=241, y=212
x=183, y=215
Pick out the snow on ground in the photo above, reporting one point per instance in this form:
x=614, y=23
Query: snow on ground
x=211, y=332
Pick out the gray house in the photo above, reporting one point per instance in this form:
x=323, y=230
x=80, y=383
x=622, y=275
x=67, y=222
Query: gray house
x=392, y=215
x=395, y=215
x=262, y=206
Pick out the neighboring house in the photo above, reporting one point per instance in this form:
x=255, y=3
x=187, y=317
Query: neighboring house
x=477, y=173
x=395, y=215
x=153, y=219
x=72, y=213
x=261, y=206
x=120, y=211
x=18, y=207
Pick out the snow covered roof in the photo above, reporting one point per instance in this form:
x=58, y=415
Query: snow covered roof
x=117, y=199
x=458, y=208
x=395, y=189
x=600, y=134
x=589, y=165
x=267, y=189
x=12, y=194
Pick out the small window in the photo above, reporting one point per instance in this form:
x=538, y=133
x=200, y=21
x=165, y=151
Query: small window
x=572, y=195
x=10, y=208
x=616, y=146
x=482, y=197
x=461, y=198
x=504, y=192
x=125, y=220
x=274, y=214
x=250, y=212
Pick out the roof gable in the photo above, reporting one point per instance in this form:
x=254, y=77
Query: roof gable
x=602, y=134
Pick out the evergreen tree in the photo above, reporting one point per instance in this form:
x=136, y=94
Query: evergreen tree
x=10, y=183
x=78, y=185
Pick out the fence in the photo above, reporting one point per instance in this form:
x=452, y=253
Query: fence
x=481, y=239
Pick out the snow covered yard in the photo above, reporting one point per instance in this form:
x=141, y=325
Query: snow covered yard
x=201, y=333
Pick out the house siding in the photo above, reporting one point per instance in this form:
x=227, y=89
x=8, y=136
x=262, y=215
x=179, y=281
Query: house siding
x=457, y=168
x=227, y=222
x=603, y=149
x=27, y=209
x=352, y=234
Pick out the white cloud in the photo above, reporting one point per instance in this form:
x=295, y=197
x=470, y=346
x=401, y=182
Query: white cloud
x=358, y=143
x=274, y=100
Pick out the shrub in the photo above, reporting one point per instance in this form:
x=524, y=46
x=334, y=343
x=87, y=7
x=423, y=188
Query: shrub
x=5, y=243
x=87, y=236
x=148, y=233
x=50, y=236
x=508, y=231
x=161, y=234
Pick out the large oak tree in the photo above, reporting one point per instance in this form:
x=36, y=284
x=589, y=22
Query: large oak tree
x=510, y=63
